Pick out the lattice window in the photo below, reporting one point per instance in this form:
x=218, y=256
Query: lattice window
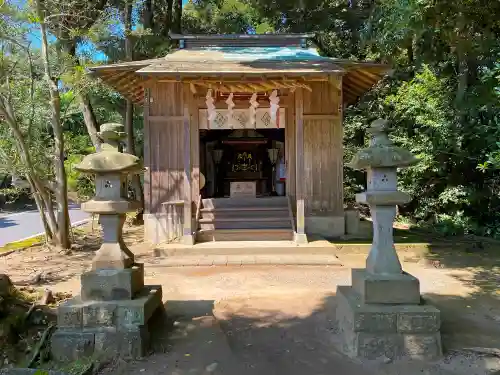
x=220, y=121
x=241, y=119
x=266, y=119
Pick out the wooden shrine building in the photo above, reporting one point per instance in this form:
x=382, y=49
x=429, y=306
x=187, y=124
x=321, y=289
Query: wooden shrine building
x=242, y=136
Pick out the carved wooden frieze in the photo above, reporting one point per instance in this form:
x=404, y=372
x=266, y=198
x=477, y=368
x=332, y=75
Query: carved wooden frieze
x=241, y=119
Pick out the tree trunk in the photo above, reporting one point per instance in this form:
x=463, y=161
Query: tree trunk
x=354, y=25
x=49, y=235
x=463, y=77
x=85, y=105
x=169, y=20
x=177, y=27
x=129, y=112
x=89, y=117
x=44, y=203
x=409, y=52
x=462, y=60
x=148, y=14
x=90, y=120
x=129, y=128
x=61, y=193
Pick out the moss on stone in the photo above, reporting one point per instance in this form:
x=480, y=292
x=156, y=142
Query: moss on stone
x=109, y=161
x=382, y=156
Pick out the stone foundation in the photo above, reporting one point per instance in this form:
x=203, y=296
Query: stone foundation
x=104, y=319
x=373, y=330
x=325, y=226
x=160, y=228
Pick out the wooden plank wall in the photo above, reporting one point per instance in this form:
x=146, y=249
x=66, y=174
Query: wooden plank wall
x=166, y=146
x=323, y=152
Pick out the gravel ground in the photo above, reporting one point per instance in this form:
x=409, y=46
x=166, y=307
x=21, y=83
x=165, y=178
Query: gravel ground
x=270, y=320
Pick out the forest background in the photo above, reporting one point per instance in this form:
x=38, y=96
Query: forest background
x=442, y=98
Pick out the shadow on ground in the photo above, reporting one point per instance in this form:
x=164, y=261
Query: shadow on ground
x=474, y=317
x=474, y=266
x=5, y=222
x=254, y=336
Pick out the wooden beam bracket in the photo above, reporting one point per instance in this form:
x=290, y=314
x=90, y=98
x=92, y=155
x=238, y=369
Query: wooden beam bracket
x=166, y=118
x=321, y=117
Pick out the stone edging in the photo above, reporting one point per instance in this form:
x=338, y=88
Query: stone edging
x=8, y=252
x=248, y=260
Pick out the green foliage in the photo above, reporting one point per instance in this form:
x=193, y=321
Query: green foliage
x=13, y=194
x=227, y=17
x=451, y=194
x=77, y=147
x=443, y=97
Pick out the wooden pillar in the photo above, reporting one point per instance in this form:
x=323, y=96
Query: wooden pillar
x=300, y=235
x=147, y=153
x=187, y=235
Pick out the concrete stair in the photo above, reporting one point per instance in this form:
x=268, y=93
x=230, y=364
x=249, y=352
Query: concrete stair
x=245, y=219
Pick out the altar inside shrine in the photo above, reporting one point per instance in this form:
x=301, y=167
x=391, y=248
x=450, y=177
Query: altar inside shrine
x=244, y=160
x=243, y=189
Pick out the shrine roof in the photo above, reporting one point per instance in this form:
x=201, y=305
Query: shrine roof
x=268, y=56
x=233, y=60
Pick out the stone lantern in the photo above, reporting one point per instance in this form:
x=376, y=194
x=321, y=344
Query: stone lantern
x=381, y=314
x=113, y=309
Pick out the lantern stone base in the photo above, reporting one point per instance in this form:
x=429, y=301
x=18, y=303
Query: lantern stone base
x=111, y=324
x=373, y=330
x=386, y=289
x=110, y=284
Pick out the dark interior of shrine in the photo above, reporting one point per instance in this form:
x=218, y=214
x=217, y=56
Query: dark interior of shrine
x=240, y=155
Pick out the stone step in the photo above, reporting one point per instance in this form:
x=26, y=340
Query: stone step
x=247, y=259
x=246, y=223
x=253, y=234
x=244, y=212
x=245, y=202
x=245, y=215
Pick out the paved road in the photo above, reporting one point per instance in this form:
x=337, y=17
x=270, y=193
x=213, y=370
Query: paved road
x=15, y=227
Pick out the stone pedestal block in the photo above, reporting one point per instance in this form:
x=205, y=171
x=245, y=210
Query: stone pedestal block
x=300, y=238
x=123, y=342
x=188, y=240
x=325, y=225
x=111, y=328
x=400, y=288
x=351, y=222
x=112, y=284
x=394, y=331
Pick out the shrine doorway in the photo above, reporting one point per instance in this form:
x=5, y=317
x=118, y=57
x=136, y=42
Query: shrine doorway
x=242, y=162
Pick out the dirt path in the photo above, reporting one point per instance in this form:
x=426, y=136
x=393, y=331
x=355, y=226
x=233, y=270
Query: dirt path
x=270, y=320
